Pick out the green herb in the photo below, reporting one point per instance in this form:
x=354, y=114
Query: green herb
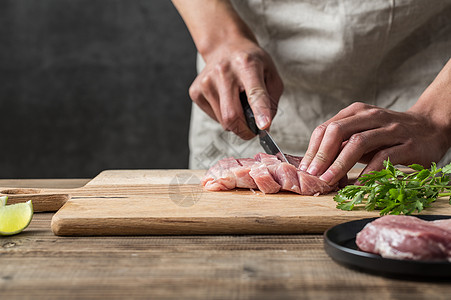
x=394, y=192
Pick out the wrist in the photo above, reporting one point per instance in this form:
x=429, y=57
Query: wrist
x=222, y=38
x=434, y=106
x=439, y=127
x=226, y=47
x=213, y=24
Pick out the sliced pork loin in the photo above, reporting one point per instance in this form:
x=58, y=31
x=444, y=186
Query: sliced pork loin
x=263, y=179
x=265, y=172
x=312, y=185
x=243, y=178
x=407, y=237
x=220, y=177
x=283, y=173
x=294, y=160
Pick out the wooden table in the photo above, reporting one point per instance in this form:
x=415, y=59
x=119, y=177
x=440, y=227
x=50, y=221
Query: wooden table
x=38, y=265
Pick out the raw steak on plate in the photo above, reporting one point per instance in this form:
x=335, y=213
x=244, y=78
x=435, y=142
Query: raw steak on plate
x=407, y=237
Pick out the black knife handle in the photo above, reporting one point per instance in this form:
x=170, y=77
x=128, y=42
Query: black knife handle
x=250, y=119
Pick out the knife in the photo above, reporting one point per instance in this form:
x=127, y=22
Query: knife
x=266, y=140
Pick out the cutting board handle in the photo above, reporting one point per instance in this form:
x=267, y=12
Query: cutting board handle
x=42, y=200
x=51, y=199
x=16, y=191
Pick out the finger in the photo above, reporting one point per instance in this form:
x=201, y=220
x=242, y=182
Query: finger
x=399, y=154
x=340, y=131
x=207, y=92
x=313, y=146
x=367, y=157
x=358, y=145
x=318, y=133
x=331, y=140
x=252, y=78
x=200, y=101
x=231, y=110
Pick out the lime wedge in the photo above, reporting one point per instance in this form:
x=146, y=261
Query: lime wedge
x=3, y=200
x=15, y=218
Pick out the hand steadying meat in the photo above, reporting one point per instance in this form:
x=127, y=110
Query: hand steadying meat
x=234, y=63
x=369, y=134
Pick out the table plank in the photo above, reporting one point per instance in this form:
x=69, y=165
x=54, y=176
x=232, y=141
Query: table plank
x=36, y=264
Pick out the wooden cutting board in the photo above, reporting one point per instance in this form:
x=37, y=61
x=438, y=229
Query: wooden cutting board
x=171, y=202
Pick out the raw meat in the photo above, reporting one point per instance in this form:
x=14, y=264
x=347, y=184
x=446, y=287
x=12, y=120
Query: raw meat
x=283, y=173
x=287, y=176
x=263, y=179
x=259, y=175
x=407, y=237
x=312, y=185
x=243, y=179
x=294, y=160
x=220, y=177
x=267, y=173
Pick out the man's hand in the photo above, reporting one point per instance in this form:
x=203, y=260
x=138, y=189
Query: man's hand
x=230, y=70
x=234, y=63
x=369, y=134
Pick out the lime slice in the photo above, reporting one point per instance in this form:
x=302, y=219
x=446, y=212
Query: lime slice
x=3, y=200
x=15, y=218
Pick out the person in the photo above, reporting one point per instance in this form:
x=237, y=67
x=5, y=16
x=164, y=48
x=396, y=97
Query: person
x=351, y=81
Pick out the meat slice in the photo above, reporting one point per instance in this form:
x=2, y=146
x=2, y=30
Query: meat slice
x=312, y=185
x=229, y=173
x=263, y=179
x=247, y=162
x=286, y=175
x=220, y=177
x=445, y=223
x=265, y=172
x=283, y=173
x=260, y=175
x=267, y=159
x=407, y=237
x=294, y=160
x=243, y=178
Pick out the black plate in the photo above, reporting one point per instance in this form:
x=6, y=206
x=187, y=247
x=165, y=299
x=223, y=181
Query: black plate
x=339, y=243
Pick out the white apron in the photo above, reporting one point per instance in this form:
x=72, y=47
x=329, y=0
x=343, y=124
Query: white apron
x=330, y=54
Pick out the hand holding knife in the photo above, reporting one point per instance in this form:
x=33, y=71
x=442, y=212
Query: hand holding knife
x=266, y=140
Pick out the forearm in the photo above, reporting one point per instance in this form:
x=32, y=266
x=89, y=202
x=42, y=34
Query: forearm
x=234, y=63
x=435, y=104
x=213, y=23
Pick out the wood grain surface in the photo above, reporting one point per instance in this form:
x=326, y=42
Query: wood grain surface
x=107, y=183
x=171, y=202
x=39, y=265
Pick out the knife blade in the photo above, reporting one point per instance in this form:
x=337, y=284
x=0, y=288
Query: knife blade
x=266, y=140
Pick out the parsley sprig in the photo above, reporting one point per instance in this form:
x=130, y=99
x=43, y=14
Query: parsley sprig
x=394, y=192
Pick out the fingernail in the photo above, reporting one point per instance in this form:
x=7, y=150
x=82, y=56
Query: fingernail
x=303, y=167
x=327, y=176
x=312, y=170
x=262, y=121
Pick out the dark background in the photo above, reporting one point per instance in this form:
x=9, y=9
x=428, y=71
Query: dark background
x=89, y=85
